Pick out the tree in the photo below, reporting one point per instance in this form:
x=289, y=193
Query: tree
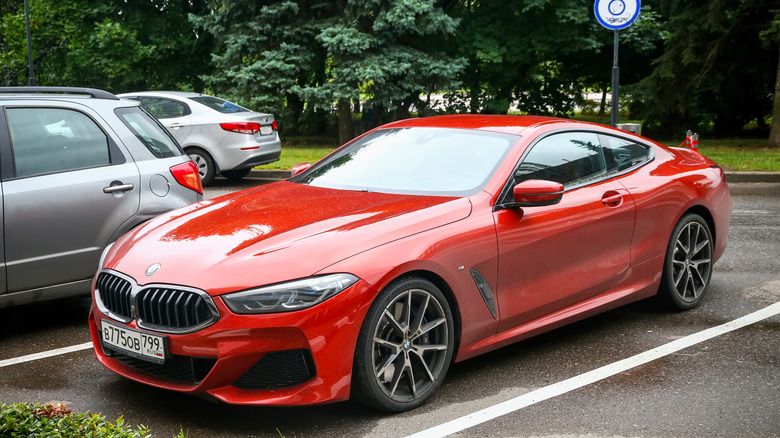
x=264, y=49
x=386, y=52
x=114, y=45
x=714, y=69
x=541, y=54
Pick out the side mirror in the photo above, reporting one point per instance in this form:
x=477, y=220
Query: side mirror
x=537, y=192
x=300, y=168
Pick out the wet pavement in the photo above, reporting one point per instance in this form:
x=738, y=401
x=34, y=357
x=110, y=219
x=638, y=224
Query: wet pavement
x=723, y=387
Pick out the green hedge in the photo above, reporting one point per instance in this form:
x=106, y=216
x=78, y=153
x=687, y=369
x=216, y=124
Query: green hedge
x=23, y=420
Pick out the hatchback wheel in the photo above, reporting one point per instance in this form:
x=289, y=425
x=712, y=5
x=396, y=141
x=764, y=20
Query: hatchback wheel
x=405, y=346
x=205, y=165
x=688, y=263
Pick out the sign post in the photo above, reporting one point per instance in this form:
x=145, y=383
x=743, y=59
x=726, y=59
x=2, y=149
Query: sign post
x=616, y=15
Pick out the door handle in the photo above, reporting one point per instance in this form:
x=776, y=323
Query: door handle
x=611, y=200
x=114, y=188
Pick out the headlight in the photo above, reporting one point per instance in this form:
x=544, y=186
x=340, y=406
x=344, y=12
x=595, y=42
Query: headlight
x=290, y=296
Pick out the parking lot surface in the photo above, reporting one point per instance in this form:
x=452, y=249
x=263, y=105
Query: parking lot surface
x=723, y=386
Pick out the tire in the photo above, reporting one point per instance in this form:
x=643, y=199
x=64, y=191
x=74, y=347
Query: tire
x=688, y=264
x=405, y=346
x=205, y=165
x=236, y=174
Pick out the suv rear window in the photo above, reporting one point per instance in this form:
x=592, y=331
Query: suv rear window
x=150, y=132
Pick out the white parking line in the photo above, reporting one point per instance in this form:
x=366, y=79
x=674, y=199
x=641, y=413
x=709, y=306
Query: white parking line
x=45, y=354
x=594, y=376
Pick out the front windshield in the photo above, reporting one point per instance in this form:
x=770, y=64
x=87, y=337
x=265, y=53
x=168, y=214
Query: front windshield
x=425, y=161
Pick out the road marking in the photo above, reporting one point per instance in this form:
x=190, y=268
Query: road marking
x=576, y=382
x=45, y=354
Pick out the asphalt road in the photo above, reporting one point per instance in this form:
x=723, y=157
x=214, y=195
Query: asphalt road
x=724, y=386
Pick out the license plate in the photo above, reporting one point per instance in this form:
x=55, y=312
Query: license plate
x=136, y=343
x=266, y=130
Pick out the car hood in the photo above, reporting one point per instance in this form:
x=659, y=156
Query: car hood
x=273, y=233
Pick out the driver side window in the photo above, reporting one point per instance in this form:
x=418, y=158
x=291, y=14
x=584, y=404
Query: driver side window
x=571, y=158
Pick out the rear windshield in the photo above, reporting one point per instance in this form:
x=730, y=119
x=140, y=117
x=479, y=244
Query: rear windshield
x=150, y=132
x=220, y=105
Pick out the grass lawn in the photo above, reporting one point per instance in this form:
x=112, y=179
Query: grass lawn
x=733, y=154
x=740, y=154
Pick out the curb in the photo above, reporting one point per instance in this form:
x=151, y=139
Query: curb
x=752, y=177
x=732, y=177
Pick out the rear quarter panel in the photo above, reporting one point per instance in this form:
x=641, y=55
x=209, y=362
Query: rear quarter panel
x=664, y=190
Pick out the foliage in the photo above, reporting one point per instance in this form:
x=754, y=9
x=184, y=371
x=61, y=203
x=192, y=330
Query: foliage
x=386, y=52
x=263, y=49
x=55, y=420
x=103, y=44
x=540, y=55
x=714, y=68
x=276, y=55
x=710, y=66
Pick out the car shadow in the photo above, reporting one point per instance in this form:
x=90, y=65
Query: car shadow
x=44, y=316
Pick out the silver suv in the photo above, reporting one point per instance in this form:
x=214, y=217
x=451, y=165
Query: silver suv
x=79, y=167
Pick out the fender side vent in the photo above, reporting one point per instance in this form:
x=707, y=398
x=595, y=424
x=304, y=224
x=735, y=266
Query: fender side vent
x=484, y=289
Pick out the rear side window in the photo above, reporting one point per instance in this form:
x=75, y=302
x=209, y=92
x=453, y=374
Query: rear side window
x=48, y=140
x=621, y=154
x=150, y=132
x=571, y=158
x=164, y=108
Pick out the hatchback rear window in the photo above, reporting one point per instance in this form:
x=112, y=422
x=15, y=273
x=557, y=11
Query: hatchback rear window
x=150, y=132
x=220, y=105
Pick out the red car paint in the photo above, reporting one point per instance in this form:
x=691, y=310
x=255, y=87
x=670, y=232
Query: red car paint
x=601, y=247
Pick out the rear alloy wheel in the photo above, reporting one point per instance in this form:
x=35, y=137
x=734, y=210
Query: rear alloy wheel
x=236, y=174
x=205, y=165
x=405, y=346
x=688, y=264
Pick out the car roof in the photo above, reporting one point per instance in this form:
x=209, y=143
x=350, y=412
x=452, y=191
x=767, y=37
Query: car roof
x=64, y=93
x=495, y=123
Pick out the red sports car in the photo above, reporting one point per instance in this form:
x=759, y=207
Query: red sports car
x=420, y=243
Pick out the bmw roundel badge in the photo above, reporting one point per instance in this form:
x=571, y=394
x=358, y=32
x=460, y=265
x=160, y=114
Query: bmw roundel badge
x=152, y=269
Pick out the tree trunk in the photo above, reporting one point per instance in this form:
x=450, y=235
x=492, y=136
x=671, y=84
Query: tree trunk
x=345, y=121
x=774, y=133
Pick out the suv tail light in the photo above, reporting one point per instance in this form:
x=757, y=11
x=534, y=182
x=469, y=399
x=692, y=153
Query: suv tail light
x=241, y=127
x=187, y=175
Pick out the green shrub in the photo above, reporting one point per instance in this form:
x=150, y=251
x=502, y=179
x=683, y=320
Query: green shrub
x=23, y=420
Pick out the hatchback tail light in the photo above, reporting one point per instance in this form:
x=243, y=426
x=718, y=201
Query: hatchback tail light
x=241, y=127
x=187, y=175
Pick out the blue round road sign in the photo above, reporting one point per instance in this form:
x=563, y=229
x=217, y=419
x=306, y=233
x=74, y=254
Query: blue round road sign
x=616, y=14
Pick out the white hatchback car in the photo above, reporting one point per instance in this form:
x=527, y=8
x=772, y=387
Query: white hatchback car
x=221, y=137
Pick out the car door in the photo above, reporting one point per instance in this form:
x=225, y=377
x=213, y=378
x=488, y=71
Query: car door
x=555, y=256
x=173, y=114
x=70, y=187
x=2, y=242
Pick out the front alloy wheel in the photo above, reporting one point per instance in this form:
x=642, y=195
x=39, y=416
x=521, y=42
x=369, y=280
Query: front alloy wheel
x=405, y=346
x=688, y=263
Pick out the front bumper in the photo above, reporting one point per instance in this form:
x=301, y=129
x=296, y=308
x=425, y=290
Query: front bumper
x=295, y=358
